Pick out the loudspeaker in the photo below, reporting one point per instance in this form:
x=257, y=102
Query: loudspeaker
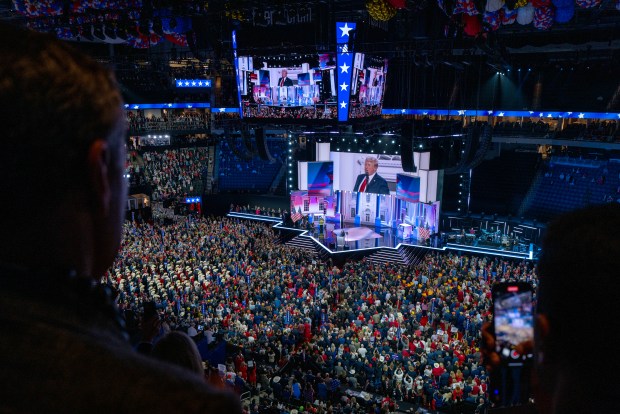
x=261, y=144
x=406, y=148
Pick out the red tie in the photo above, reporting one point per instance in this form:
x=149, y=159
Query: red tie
x=363, y=185
x=282, y=82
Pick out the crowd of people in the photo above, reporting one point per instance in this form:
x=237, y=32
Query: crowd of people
x=297, y=112
x=171, y=173
x=312, y=330
x=168, y=121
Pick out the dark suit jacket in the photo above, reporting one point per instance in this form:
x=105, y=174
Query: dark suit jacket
x=377, y=185
x=61, y=353
x=287, y=81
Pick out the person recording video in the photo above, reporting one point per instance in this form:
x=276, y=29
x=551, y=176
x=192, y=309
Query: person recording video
x=370, y=181
x=577, y=292
x=285, y=80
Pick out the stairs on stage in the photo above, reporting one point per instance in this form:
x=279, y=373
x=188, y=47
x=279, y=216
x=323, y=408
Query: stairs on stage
x=404, y=255
x=304, y=243
x=390, y=256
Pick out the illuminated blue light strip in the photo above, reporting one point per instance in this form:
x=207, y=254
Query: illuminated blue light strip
x=236, y=68
x=185, y=105
x=193, y=83
x=344, y=70
x=499, y=113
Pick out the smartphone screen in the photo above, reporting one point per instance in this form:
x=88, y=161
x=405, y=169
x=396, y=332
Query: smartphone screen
x=513, y=317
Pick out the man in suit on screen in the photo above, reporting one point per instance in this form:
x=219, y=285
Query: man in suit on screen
x=370, y=181
x=285, y=80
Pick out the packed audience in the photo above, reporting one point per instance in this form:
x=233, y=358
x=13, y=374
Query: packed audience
x=167, y=121
x=171, y=173
x=296, y=112
x=359, y=338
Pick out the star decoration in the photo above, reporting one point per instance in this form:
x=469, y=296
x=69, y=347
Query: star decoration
x=136, y=106
x=570, y=113
x=345, y=30
x=344, y=86
x=402, y=111
x=343, y=105
x=194, y=83
x=461, y=112
x=345, y=68
x=127, y=106
x=531, y=112
x=549, y=116
x=189, y=105
x=540, y=115
x=581, y=115
x=618, y=115
x=490, y=112
x=200, y=83
x=186, y=83
x=500, y=114
x=179, y=83
x=424, y=113
x=170, y=105
x=222, y=109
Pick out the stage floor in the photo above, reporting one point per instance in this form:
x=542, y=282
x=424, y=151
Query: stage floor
x=330, y=237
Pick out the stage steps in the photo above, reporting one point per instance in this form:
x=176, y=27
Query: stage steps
x=303, y=243
x=388, y=256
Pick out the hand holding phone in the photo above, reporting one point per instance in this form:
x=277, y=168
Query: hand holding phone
x=513, y=326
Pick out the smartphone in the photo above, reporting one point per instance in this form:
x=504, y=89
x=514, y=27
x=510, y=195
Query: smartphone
x=513, y=323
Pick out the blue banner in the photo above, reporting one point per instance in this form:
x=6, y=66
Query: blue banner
x=344, y=63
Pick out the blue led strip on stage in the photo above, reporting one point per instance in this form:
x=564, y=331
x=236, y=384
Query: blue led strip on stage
x=344, y=61
x=193, y=83
x=236, y=68
x=499, y=113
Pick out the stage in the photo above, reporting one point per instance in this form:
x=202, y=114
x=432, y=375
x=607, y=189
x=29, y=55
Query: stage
x=333, y=241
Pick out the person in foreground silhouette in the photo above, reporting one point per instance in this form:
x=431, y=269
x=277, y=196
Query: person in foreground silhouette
x=576, y=327
x=63, y=347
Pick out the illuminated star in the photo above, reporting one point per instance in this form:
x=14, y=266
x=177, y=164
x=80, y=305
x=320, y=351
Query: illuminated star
x=222, y=109
x=343, y=105
x=402, y=111
x=581, y=115
x=424, y=113
x=189, y=105
x=461, y=112
x=500, y=114
x=207, y=83
x=345, y=68
x=531, y=112
x=169, y=105
x=127, y=106
x=490, y=112
x=344, y=86
x=186, y=83
x=570, y=113
x=344, y=49
x=193, y=83
x=136, y=106
x=618, y=115
x=549, y=116
x=345, y=30
x=540, y=115
x=200, y=83
x=180, y=83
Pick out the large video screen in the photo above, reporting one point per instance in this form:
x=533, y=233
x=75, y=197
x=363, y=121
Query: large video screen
x=367, y=86
x=298, y=87
x=408, y=188
x=320, y=178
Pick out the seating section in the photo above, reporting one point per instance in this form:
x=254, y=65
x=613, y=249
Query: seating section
x=252, y=173
x=566, y=187
x=499, y=185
